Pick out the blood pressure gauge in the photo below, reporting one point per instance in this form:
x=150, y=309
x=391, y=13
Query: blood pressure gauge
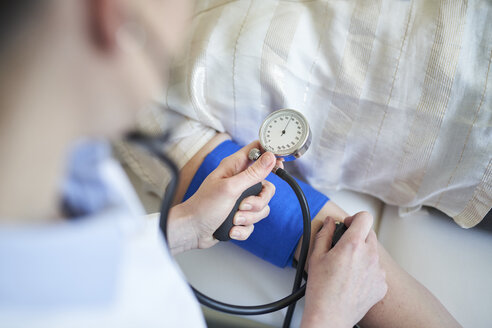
x=286, y=134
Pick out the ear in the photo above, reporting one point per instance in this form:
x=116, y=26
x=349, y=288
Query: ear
x=104, y=19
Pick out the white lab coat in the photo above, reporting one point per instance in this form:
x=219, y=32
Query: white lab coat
x=107, y=270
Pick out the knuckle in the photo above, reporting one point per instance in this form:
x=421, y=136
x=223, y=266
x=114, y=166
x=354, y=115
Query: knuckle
x=256, y=204
x=354, y=244
x=320, y=235
x=263, y=202
x=253, y=219
x=373, y=239
x=373, y=245
x=252, y=172
x=267, y=211
x=227, y=186
x=249, y=221
x=225, y=161
x=365, y=215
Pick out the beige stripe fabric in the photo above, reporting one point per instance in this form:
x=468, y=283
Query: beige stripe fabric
x=234, y=59
x=377, y=114
x=344, y=102
x=433, y=103
x=197, y=60
x=479, y=205
x=275, y=52
x=467, y=138
x=379, y=126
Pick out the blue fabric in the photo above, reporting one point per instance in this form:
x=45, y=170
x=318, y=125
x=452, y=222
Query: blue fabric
x=275, y=238
x=84, y=189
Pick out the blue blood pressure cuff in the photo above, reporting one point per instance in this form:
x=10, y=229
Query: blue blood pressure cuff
x=275, y=238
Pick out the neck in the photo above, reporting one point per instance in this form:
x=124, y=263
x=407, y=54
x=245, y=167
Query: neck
x=35, y=133
x=32, y=164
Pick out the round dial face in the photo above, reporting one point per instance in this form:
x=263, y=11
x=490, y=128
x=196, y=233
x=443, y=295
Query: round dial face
x=284, y=132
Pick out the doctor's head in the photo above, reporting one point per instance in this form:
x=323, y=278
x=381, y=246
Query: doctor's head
x=87, y=64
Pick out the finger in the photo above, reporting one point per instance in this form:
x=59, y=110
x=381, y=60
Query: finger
x=348, y=221
x=359, y=226
x=236, y=162
x=254, y=173
x=372, y=245
x=257, y=203
x=322, y=241
x=372, y=239
x=248, y=217
x=280, y=163
x=241, y=232
x=372, y=242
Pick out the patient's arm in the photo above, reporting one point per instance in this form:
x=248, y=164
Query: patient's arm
x=406, y=304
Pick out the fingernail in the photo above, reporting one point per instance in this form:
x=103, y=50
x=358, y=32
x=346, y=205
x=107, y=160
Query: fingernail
x=240, y=220
x=245, y=207
x=266, y=160
x=235, y=234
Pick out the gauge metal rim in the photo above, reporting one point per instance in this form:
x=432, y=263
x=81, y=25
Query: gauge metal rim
x=305, y=143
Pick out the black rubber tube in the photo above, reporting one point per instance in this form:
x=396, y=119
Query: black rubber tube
x=306, y=219
x=298, y=291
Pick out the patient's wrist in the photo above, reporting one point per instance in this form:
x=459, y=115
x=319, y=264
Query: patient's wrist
x=181, y=234
x=329, y=209
x=316, y=225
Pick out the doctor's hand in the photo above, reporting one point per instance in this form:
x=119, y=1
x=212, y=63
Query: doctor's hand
x=205, y=211
x=346, y=281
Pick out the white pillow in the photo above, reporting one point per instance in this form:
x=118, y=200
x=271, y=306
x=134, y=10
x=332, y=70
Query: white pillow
x=398, y=93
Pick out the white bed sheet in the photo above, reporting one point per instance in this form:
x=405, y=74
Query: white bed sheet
x=453, y=263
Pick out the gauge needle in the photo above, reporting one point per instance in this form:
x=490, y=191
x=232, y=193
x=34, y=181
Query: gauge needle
x=283, y=131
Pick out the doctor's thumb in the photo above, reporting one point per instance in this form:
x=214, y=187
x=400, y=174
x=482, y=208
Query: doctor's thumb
x=255, y=173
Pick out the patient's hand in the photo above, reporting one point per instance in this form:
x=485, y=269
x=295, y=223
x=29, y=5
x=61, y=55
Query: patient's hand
x=346, y=281
x=205, y=211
